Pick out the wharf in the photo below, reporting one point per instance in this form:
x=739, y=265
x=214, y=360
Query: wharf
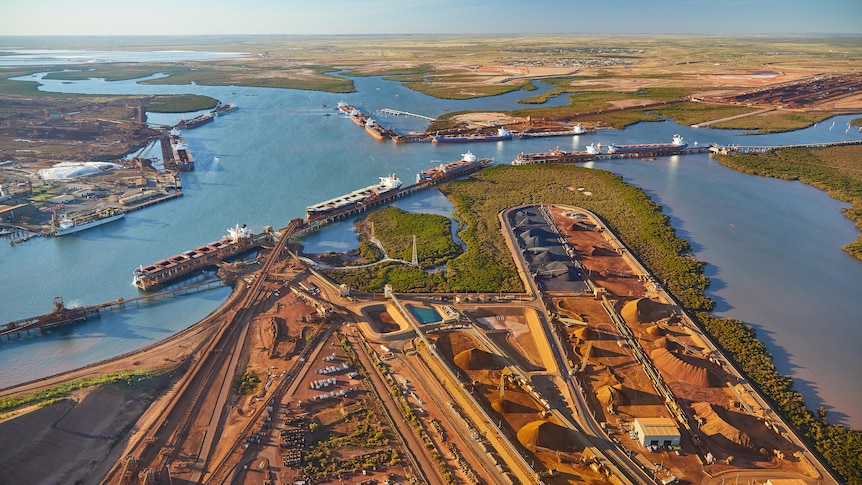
x=395, y=112
x=560, y=156
x=179, y=266
x=372, y=127
x=158, y=199
x=61, y=315
x=719, y=150
x=317, y=222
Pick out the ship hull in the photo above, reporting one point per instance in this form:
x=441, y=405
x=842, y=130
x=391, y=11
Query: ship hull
x=469, y=139
x=89, y=225
x=645, y=148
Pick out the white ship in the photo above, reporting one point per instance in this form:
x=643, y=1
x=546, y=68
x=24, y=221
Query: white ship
x=356, y=197
x=68, y=225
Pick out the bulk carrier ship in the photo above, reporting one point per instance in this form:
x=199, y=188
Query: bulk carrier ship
x=389, y=189
x=558, y=156
x=180, y=151
x=676, y=144
x=356, y=197
x=502, y=134
x=239, y=239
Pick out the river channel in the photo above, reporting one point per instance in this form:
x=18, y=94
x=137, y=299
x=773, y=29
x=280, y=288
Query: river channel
x=773, y=247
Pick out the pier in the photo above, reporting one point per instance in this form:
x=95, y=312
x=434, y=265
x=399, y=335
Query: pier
x=560, y=156
x=61, y=315
x=728, y=150
x=315, y=223
x=395, y=112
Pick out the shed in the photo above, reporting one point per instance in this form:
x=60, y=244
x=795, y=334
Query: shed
x=62, y=199
x=656, y=432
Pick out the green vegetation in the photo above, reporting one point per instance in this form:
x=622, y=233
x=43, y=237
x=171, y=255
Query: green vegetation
x=130, y=379
x=833, y=169
x=486, y=265
x=246, y=383
x=360, y=430
x=619, y=119
x=856, y=122
x=775, y=122
x=439, y=89
x=180, y=103
x=689, y=113
x=600, y=102
x=395, y=229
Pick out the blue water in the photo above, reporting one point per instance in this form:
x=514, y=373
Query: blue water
x=773, y=247
x=425, y=315
x=43, y=57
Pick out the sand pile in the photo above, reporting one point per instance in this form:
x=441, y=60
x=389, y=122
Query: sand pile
x=684, y=371
x=643, y=310
x=655, y=331
x=476, y=359
x=601, y=251
x=716, y=425
x=506, y=406
x=585, y=333
x=545, y=434
x=612, y=395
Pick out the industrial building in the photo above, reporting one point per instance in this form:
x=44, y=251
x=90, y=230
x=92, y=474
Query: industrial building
x=656, y=432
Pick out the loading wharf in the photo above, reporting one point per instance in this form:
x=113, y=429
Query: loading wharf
x=238, y=241
x=316, y=221
x=61, y=315
x=561, y=156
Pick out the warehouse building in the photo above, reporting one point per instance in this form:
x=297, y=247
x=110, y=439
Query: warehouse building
x=656, y=432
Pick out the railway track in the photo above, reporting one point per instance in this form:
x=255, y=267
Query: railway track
x=197, y=405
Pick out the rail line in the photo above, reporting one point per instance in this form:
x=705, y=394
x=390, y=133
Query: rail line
x=202, y=392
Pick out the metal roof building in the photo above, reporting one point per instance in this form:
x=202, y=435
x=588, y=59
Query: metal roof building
x=656, y=432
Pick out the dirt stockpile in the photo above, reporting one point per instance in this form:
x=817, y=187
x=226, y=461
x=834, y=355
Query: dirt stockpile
x=643, y=310
x=545, y=434
x=679, y=369
x=476, y=359
x=715, y=425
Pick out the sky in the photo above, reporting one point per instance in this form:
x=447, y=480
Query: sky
x=211, y=17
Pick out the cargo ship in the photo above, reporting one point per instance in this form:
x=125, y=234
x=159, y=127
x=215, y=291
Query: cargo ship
x=239, y=239
x=222, y=109
x=355, y=198
x=69, y=225
x=357, y=117
x=374, y=129
x=428, y=178
x=558, y=156
x=344, y=107
x=677, y=143
x=502, y=134
x=467, y=161
x=180, y=151
x=577, y=129
x=195, y=122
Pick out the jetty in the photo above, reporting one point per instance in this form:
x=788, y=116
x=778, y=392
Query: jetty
x=62, y=315
x=732, y=149
x=561, y=156
x=395, y=112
